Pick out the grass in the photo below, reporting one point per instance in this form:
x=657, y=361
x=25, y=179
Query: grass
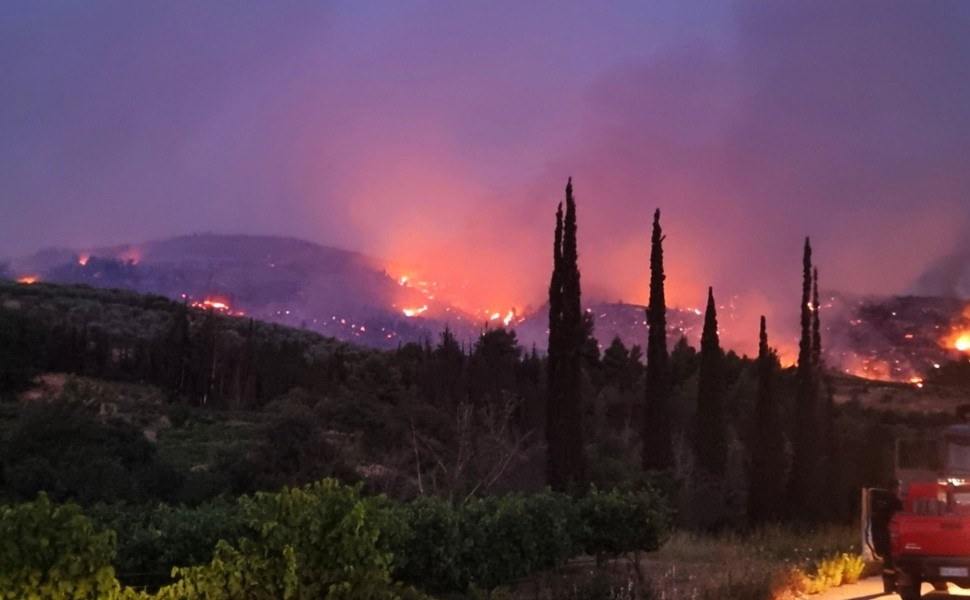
x=773, y=563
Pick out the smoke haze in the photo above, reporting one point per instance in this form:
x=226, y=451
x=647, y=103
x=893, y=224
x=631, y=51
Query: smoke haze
x=440, y=136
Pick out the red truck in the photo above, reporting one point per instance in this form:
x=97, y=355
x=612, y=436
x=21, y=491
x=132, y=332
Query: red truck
x=930, y=535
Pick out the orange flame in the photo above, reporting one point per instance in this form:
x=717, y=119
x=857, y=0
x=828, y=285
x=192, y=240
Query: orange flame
x=413, y=312
x=83, y=259
x=217, y=304
x=28, y=279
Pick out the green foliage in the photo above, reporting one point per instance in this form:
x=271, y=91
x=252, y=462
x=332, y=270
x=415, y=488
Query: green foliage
x=493, y=541
x=614, y=522
x=319, y=541
x=433, y=553
x=63, y=449
x=54, y=552
x=154, y=539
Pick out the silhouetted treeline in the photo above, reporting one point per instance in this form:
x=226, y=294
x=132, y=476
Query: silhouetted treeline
x=440, y=417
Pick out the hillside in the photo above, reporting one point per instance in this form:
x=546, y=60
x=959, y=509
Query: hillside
x=353, y=297
x=339, y=293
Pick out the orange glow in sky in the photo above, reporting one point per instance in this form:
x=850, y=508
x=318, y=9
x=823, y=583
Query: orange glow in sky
x=28, y=279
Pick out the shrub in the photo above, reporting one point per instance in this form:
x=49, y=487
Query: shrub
x=319, y=541
x=853, y=566
x=51, y=551
x=434, y=551
x=614, y=523
x=154, y=539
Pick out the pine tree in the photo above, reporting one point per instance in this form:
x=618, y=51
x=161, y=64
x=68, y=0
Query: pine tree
x=711, y=441
x=768, y=465
x=656, y=429
x=567, y=334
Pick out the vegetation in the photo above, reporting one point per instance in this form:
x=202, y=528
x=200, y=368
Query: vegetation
x=169, y=452
x=567, y=336
x=657, y=427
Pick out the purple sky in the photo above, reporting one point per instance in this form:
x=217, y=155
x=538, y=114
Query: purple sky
x=442, y=133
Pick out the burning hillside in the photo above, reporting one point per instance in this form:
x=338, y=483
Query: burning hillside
x=357, y=298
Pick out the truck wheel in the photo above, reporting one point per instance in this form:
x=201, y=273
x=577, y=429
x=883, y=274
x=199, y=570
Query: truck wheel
x=909, y=590
x=888, y=583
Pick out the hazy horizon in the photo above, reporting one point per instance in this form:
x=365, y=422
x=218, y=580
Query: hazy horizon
x=442, y=135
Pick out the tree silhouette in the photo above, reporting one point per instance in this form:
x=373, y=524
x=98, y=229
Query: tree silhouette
x=805, y=486
x=656, y=428
x=768, y=462
x=710, y=442
x=566, y=467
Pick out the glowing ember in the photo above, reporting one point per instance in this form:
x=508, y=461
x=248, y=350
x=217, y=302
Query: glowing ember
x=83, y=259
x=495, y=316
x=28, y=279
x=413, y=312
x=508, y=318
x=217, y=304
x=403, y=280
x=917, y=381
x=962, y=343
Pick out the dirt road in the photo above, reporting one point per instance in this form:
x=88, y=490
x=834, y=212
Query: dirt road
x=871, y=588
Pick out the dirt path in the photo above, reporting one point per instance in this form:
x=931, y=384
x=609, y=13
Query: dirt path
x=871, y=588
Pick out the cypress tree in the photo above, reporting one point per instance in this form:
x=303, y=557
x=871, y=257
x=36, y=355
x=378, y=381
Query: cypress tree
x=656, y=428
x=816, y=326
x=576, y=330
x=566, y=466
x=808, y=448
x=711, y=442
x=767, y=481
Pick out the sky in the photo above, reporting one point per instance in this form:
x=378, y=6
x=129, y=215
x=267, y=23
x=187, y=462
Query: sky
x=441, y=134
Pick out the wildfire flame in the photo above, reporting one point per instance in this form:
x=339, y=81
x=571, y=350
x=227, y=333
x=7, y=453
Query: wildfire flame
x=28, y=279
x=83, y=259
x=962, y=342
x=413, y=312
x=216, y=304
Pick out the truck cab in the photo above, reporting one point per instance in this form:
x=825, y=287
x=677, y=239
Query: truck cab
x=930, y=536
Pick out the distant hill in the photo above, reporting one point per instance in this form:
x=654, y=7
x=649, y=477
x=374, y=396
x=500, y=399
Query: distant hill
x=354, y=297
x=343, y=294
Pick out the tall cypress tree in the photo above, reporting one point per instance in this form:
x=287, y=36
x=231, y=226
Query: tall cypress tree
x=575, y=329
x=831, y=471
x=808, y=448
x=656, y=429
x=711, y=437
x=556, y=467
x=816, y=327
x=567, y=333
x=768, y=465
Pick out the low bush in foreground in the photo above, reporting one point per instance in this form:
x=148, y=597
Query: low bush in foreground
x=324, y=540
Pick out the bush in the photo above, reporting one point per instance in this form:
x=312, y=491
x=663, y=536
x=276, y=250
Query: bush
x=154, y=539
x=493, y=541
x=434, y=552
x=51, y=551
x=319, y=541
x=614, y=523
